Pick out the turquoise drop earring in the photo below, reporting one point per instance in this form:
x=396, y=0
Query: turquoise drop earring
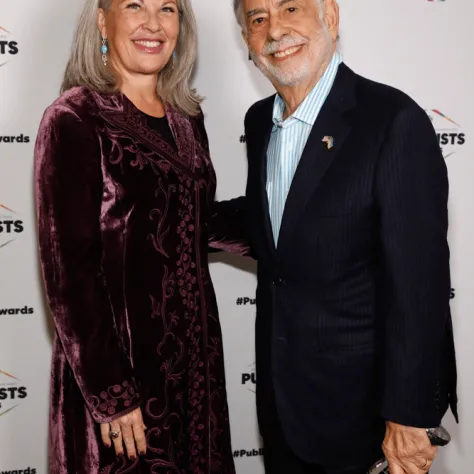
x=104, y=50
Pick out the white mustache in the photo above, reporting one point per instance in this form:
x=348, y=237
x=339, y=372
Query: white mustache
x=286, y=42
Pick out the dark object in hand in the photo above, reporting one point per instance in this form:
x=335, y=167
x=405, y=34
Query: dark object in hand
x=437, y=436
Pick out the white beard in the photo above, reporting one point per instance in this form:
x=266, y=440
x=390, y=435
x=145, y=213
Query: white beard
x=307, y=65
x=286, y=76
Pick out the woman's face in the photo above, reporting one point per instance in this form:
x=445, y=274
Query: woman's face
x=141, y=34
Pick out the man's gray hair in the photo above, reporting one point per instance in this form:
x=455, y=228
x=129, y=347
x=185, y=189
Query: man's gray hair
x=239, y=11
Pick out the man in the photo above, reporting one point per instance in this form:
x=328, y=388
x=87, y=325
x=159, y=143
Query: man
x=347, y=208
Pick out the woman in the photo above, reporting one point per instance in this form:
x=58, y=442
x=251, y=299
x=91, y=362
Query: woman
x=124, y=186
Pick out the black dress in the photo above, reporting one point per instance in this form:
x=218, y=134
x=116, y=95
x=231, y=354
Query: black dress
x=161, y=126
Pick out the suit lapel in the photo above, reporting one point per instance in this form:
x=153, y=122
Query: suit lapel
x=263, y=138
x=333, y=121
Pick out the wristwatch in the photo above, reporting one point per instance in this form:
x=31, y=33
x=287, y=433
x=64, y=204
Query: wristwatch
x=438, y=436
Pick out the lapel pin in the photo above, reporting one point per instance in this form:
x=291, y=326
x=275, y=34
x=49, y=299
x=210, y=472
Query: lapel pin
x=329, y=141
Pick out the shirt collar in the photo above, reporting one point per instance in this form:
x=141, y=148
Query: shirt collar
x=309, y=109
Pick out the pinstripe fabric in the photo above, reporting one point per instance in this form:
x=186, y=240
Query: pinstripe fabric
x=288, y=141
x=353, y=324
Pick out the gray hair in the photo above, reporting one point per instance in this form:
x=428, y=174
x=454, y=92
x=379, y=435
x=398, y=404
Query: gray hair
x=85, y=66
x=239, y=12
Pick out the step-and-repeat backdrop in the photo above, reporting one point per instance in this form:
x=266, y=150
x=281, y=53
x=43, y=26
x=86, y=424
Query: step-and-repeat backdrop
x=423, y=47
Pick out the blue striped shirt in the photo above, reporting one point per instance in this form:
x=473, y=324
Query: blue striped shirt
x=288, y=140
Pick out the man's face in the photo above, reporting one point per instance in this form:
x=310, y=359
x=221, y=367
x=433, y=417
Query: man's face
x=289, y=40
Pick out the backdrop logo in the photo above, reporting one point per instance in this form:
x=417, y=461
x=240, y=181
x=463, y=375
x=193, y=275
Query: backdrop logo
x=244, y=301
x=247, y=453
x=10, y=225
x=12, y=311
x=14, y=139
x=449, y=132
x=8, y=46
x=249, y=379
x=26, y=470
x=12, y=391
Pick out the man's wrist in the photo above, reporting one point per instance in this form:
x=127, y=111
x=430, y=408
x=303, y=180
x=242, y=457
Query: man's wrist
x=437, y=436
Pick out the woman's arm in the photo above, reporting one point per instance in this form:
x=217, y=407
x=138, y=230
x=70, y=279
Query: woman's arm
x=69, y=195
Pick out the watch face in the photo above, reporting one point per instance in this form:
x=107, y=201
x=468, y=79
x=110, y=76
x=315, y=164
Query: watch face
x=439, y=436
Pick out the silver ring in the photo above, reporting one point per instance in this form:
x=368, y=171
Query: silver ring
x=114, y=434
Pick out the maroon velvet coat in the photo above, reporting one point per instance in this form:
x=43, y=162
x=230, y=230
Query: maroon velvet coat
x=123, y=240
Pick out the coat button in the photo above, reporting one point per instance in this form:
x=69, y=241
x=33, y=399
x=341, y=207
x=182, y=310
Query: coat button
x=278, y=281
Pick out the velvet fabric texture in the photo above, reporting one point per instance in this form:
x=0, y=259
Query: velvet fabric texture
x=123, y=235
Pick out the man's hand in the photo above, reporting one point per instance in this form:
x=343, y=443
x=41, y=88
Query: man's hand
x=408, y=450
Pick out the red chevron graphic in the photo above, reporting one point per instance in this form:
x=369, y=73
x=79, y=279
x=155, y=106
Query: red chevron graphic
x=8, y=375
x=445, y=117
x=5, y=207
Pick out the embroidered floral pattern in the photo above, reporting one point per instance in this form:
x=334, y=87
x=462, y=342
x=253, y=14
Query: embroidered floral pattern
x=115, y=399
x=188, y=419
x=155, y=203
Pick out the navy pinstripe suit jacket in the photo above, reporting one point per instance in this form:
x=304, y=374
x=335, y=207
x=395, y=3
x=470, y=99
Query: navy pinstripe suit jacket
x=353, y=322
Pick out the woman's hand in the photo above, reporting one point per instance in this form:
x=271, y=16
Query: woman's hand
x=127, y=431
